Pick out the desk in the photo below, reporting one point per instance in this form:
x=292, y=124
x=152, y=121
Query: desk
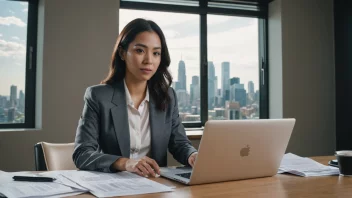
x=280, y=185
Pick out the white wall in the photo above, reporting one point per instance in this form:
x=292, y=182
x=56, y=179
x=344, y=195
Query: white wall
x=302, y=73
x=275, y=60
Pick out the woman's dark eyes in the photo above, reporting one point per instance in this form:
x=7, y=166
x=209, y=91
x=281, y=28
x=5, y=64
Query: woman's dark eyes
x=155, y=53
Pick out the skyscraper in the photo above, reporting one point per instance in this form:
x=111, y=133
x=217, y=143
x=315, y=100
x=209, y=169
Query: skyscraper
x=216, y=85
x=11, y=115
x=225, y=81
x=240, y=96
x=3, y=101
x=195, y=90
x=233, y=91
x=195, y=80
x=177, y=86
x=218, y=98
x=21, y=101
x=234, y=80
x=257, y=96
x=2, y=117
x=183, y=99
x=13, y=96
x=211, y=70
x=237, y=92
x=182, y=75
x=211, y=85
x=251, y=87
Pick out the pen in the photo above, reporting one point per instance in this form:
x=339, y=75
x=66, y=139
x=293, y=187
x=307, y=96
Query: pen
x=33, y=179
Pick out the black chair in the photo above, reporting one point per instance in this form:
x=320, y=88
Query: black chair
x=39, y=159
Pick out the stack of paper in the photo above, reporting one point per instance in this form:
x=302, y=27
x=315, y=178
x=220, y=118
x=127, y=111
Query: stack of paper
x=305, y=167
x=11, y=188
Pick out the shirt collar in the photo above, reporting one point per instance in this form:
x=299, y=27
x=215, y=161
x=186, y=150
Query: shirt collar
x=128, y=95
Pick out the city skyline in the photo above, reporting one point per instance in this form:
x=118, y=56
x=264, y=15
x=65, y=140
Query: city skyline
x=212, y=75
x=12, y=107
x=212, y=78
x=230, y=101
x=13, y=92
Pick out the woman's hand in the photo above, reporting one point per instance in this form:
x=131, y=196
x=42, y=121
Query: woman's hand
x=192, y=158
x=144, y=167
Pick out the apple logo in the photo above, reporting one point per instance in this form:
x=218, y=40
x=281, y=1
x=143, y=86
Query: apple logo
x=245, y=151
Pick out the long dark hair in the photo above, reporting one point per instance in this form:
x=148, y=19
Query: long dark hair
x=160, y=82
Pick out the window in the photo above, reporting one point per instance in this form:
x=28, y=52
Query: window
x=232, y=67
x=18, y=27
x=218, y=55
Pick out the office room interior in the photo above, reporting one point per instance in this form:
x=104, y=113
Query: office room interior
x=308, y=73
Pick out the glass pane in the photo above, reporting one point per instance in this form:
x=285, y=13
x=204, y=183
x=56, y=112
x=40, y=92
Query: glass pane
x=172, y=2
x=233, y=68
x=13, y=38
x=230, y=4
x=182, y=37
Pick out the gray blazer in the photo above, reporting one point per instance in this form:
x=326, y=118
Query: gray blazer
x=103, y=134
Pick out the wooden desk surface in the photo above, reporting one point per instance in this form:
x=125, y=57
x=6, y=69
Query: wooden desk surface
x=280, y=185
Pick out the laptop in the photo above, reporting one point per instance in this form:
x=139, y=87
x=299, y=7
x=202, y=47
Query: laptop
x=235, y=150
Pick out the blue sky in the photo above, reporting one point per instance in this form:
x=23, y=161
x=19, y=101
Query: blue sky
x=13, y=36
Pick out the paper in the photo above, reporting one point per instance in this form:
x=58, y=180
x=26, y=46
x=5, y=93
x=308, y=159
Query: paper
x=60, y=179
x=11, y=188
x=27, y=189
x=115, y=184
x=305, y=166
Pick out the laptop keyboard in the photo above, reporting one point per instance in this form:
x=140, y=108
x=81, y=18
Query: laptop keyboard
x=185, y=175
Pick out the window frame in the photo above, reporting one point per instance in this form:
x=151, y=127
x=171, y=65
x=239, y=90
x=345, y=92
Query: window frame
x=31, y=60
x=203, y=10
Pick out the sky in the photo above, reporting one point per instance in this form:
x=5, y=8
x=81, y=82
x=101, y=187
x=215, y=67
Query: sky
x=231, y=39
x=13, y=36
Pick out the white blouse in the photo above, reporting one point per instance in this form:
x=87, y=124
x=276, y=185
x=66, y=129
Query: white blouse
x=138, y=120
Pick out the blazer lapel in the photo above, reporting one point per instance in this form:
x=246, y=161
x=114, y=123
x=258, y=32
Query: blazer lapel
x=156, y=121
x=120, y=119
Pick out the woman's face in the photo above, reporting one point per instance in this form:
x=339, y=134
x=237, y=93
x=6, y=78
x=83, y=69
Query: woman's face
x=143, y=56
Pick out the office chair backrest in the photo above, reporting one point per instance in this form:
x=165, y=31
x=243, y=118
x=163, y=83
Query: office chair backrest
x=39, y=157
x=49, y=156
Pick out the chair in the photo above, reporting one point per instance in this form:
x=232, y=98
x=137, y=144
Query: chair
x=50, y=156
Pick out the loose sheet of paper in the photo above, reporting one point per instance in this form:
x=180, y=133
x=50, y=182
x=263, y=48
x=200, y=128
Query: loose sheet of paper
x=60, y=179
x=116, y=184
x=305, y=167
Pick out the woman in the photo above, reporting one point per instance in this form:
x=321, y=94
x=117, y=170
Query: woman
x=131, y=119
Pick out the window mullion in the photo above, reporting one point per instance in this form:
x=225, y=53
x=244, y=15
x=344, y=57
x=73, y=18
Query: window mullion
x=31, y=63
x=263, y=70
x=203, y=64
